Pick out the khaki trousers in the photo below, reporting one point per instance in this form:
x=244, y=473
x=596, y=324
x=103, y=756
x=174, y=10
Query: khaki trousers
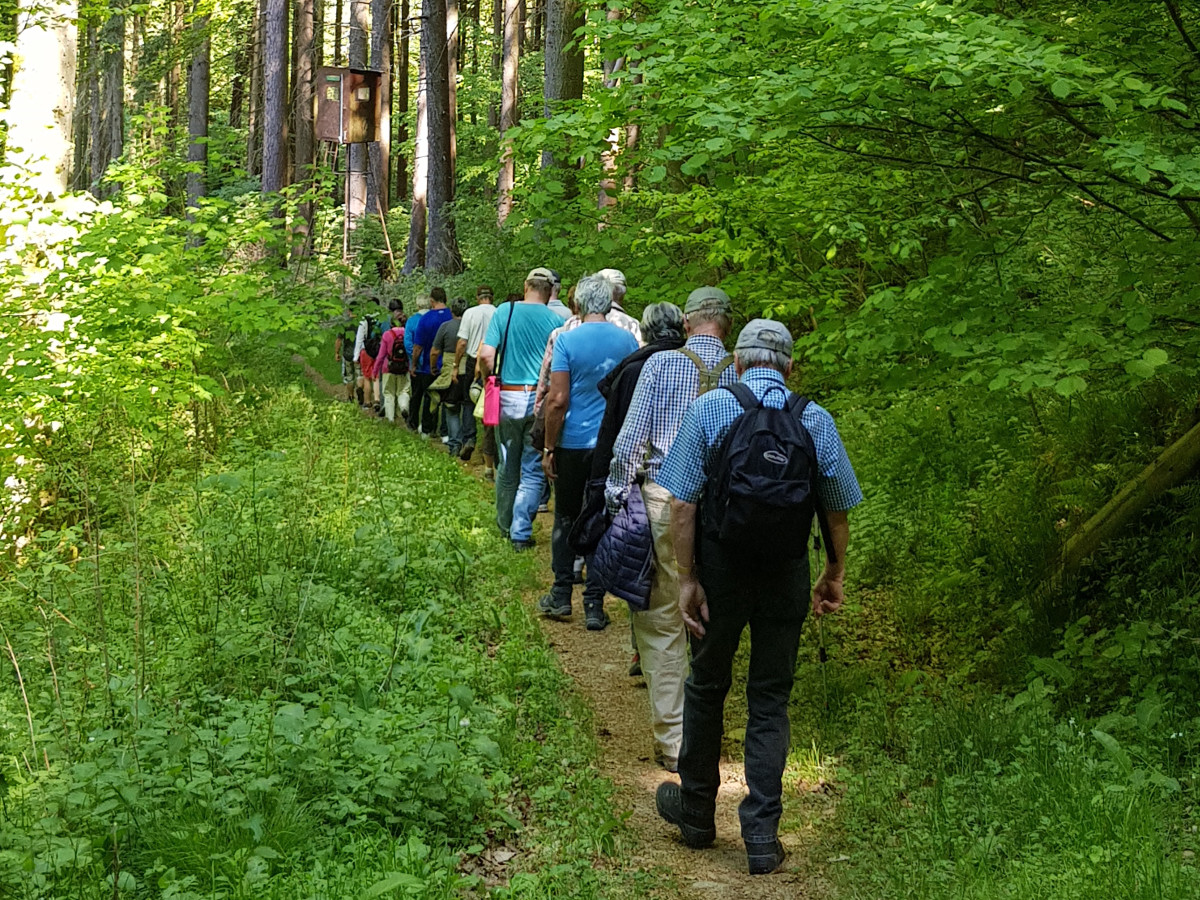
x=659, y=631
x=394, y=388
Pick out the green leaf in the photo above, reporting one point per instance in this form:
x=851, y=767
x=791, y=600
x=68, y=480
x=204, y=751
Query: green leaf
x=394, y=881
x=1061, y=88
x=1114, y=749
x=1069, y=386
x=1155, y=357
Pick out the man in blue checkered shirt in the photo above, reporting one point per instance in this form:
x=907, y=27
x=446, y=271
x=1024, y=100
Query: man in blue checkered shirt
x=668, y=384
x=724, y=595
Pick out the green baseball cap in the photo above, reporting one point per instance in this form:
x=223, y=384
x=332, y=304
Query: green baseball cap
x=765, y=334
x=708, y=299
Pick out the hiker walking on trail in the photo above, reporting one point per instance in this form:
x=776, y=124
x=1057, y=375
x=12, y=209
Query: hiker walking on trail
x=421, y=416
x=513, y=347
x=574, y=408
x=455, y=410
x=392, y=365
x=748, y=469
x=475, y=322
x=669, y=382
x=366, y=348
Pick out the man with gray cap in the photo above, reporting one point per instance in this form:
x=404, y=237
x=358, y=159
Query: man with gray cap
x=555, y=305
x=669, y=382
x=750, y=567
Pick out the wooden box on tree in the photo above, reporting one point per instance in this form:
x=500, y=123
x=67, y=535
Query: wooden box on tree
x=348, y=105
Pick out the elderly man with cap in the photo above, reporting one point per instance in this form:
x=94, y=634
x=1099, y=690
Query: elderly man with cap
x=668, y=384
x=724, y=586
x=617, y=314
x=555, y=305
x=512, y=348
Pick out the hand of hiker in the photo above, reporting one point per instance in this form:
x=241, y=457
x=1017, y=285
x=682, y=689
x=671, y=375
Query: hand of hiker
x=827, y=595
x=693, y=605
x=548, y=466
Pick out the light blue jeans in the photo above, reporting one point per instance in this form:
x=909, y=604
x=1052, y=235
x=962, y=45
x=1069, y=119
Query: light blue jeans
x=519, y=475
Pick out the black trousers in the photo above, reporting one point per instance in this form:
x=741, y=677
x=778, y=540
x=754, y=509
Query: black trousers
x=419, y=413
x=772, y=599
x=573, y=468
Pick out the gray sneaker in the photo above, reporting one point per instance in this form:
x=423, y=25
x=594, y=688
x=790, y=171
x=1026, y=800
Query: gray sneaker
x=553, y=608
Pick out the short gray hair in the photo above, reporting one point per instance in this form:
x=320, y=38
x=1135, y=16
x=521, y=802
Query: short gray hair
x=594, y=296
x=616, y=278
x=661, y=322
x=723, y=320
x=772, y=359
x=423, y=301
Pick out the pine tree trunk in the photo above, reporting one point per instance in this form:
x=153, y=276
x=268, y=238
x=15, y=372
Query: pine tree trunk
x=508, y=108
x=360, y=26
x=443, y=253
x=381, y=61
x=254, y=119
x=43, y=92
x=175, y=73
x=402, y=27
x=199, y=84
x=453, y=45
x=415, y=256
x=304, y=52
x=563, y=70
x=275, y=94
x=339, y=18
x=92, y=139
x=497, y=57
x=111, y=138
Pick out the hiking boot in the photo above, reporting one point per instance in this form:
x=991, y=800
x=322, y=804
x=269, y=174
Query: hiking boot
x=669, y=803
x=635, y=667
x=553, y=608
x=670, y=763
x=597, y=620
x=765, y=857
x=522, y=546
x=465, y=453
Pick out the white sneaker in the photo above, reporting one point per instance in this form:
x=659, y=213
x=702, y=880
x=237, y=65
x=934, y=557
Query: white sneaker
x=445, y=440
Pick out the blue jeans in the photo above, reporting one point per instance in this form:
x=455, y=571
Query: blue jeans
x=773, y=601
x=519, y=475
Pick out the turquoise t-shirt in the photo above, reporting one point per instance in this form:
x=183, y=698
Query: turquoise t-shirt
x=532, y=323
x=588, y=353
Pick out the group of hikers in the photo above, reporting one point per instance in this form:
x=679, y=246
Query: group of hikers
x=685, y=482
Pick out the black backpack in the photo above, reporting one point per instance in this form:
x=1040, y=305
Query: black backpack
x=349, y=332
x=374, y=337
x=397, y=361
x=762, y=495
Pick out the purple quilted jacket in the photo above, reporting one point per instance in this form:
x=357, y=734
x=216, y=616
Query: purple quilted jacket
x=624, y=559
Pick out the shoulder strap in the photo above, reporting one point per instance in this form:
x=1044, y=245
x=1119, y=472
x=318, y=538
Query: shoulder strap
x=512, y=308
x=744, y=395
x=696, y=360
x=719, y=369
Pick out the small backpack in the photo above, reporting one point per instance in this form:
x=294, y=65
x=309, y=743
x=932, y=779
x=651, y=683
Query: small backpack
x=397, y=361
x=374, y=337
x=348, y=336
x=709, y=378
x=762, y=495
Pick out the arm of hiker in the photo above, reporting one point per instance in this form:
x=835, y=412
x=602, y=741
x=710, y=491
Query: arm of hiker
x=828, y=593
x=460, y=350
x=693, y=604
x=487, y=359
x=556, y=410
x=417, y=351
x=630, y=445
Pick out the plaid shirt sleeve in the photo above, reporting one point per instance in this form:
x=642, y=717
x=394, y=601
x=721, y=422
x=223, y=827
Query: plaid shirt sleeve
x=684, y=471
x=630, y=445
x=838, y=485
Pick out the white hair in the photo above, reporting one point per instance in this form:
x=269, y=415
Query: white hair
x=756, y=356
x=594, y=295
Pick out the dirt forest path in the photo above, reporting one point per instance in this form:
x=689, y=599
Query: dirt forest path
x=598, y=664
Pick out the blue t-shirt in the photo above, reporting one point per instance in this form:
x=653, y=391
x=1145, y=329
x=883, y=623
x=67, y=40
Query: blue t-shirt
x=587, y=353
x=426, y=331
x=410, y=332
x=521, y=361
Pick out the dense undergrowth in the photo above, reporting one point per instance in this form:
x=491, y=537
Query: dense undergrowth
x=295, y=667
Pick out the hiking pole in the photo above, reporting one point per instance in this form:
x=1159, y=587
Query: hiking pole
x=822, y=653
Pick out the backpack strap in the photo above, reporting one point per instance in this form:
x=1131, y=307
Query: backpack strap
x=709, y=378
x=796, y=405
x=744, y=395
x=718, y=370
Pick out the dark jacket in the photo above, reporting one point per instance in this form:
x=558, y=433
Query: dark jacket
x=624, y=559
x=617, y=389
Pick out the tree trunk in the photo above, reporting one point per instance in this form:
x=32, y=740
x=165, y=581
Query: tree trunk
x=340, y=17
x=497, y=58
x=199, y=83
x=275, y=94
x=237, y=85
x=304, y=51
x=508, y=108
x=109, y=139
x=415, y=256
x=381, y=61
x=1172, y=467
x=402, y=102
x=453, y=45
x=443, y=253
x=360, y=26
x=43, y=94
x=254, y=137
x=563, y=69
x=89, y=139
x=175, y=73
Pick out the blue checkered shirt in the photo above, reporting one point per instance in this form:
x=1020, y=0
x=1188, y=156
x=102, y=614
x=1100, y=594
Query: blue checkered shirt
x=694, y=452
x=667, y=386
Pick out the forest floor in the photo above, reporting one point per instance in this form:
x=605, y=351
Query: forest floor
x=598, y=664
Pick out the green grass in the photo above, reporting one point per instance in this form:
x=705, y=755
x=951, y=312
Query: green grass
x=301, y=668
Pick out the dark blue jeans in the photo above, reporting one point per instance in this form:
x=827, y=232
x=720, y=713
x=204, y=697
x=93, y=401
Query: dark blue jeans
x=773, y=602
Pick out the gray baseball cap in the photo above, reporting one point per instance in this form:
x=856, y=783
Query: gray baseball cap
x=765, y=334
x=708, y=299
